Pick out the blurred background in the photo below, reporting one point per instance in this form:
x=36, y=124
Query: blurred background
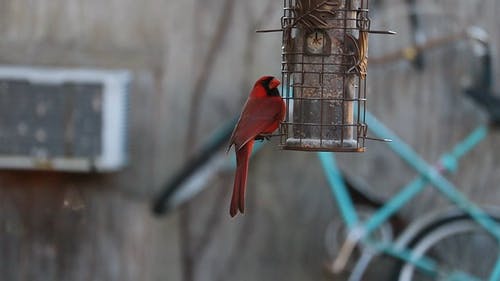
x=192, y=64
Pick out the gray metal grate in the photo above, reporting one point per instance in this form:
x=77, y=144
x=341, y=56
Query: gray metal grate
x=48, y=121
x=62, y=119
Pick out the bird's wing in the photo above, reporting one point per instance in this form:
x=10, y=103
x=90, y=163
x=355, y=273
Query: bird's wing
x=257, y=116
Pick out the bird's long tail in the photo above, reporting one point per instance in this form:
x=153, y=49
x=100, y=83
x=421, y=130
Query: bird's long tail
x=240, y=179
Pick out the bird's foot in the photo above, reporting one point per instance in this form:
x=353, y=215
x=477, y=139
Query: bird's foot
x=263, y=137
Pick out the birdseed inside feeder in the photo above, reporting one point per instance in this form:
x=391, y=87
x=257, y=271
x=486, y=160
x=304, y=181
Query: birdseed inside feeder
x=324, y=61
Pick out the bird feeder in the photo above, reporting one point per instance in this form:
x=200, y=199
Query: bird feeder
x=324, y=62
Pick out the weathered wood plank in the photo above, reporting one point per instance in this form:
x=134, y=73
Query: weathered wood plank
x=89, y=227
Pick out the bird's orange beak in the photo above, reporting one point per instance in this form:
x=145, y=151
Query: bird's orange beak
x=274, y=83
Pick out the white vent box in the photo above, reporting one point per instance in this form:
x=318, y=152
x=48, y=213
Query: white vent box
x=63, y=119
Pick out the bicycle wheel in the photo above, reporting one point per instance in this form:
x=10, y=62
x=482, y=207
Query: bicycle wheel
x=461, y=248
x=335, y=235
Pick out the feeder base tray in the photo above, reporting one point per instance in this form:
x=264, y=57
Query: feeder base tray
x=322, y=145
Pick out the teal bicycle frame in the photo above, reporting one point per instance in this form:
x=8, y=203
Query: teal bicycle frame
x=428, y=175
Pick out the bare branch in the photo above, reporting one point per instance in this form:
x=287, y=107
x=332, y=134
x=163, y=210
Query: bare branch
x=187, y=256
x=206, y=70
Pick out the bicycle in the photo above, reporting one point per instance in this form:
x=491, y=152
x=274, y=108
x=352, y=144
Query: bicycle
x=422, y=234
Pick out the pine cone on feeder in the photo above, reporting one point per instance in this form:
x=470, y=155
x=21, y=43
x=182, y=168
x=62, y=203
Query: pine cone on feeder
x=359, y=47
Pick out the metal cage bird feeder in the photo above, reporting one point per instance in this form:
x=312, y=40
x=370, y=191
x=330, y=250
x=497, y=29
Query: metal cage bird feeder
x=324, y=62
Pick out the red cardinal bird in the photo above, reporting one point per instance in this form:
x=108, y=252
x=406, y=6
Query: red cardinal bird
x=262, y=114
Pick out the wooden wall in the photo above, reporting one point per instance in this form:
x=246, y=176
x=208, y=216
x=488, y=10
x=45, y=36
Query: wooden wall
x=57, y=226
